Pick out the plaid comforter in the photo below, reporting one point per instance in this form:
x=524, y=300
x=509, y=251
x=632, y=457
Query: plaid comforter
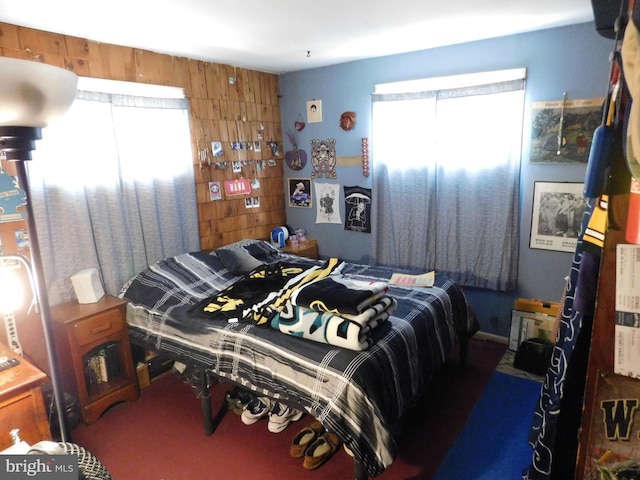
x=358, y=395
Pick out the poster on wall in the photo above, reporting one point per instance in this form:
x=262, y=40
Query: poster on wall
x=300, y=192
x=557, y=215
x=314, y=111
x=327, y=208
x=613, y=451
x=357, y=208
x=562, y=130
x=240, y=186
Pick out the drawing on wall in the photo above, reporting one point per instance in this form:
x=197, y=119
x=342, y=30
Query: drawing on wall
x=357, y=208
x=562, y=130
x=323, y=158
x=300, y=192
x=557, y=215
x=314, y=111
x=327, y=208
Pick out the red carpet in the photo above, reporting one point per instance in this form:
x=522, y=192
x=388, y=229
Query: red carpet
x=160, y=436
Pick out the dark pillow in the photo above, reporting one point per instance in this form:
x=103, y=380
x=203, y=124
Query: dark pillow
x=237, y=261
x=263, y=251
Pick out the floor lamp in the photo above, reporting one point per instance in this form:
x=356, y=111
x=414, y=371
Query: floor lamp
x=32, y=95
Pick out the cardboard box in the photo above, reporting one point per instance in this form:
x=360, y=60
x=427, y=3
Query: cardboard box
x=142, y=369
x=536, y=306
x=525, y=325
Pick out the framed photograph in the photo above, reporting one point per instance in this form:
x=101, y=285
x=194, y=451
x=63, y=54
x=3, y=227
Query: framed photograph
x=562, y=130
x=557, y=215
x=299, y=192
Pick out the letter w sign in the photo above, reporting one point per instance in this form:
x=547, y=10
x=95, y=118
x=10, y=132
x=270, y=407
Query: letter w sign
x=618, y=418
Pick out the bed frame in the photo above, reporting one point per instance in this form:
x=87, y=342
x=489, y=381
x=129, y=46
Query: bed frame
x=203, y=381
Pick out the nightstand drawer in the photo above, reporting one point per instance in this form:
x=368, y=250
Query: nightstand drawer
x=98, y=327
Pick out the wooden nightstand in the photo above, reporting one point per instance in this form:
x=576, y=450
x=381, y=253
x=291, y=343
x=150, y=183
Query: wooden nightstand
x=21, y=402
x=95, y=354
x=307, y=249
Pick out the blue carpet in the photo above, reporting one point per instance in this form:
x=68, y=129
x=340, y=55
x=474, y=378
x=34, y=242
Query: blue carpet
x=493, y=443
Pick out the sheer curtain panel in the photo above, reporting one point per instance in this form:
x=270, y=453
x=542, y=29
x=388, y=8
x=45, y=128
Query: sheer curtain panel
x=113, y=188
x=446, y=168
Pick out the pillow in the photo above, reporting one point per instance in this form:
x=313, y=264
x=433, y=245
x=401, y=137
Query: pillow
x=263, y=251
x=240, y=244
x=237, y=260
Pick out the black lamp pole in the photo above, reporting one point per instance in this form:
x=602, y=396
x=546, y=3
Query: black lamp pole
x=17, y=144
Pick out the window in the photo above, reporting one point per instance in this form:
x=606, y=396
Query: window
x=112, y=184
x=446, y=163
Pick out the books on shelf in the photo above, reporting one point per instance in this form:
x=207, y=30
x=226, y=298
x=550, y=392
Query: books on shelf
x=102, y=364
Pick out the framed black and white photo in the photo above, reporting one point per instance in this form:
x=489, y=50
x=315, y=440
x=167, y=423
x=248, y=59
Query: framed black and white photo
x=558, y=208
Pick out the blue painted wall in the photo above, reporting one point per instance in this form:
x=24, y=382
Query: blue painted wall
x=572, y=59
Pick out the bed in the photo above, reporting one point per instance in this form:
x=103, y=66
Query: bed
x=358, y=394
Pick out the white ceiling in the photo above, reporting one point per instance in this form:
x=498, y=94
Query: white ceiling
x=275, y=35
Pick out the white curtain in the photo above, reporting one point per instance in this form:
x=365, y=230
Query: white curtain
x=446, y=169
x=112, y=187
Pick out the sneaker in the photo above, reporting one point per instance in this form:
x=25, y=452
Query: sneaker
x=237, y=399
x=257, y=408
x=281, y=416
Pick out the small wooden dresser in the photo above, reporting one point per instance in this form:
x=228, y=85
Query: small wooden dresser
x=308, y=248
x=94, y=351
x=21, y=402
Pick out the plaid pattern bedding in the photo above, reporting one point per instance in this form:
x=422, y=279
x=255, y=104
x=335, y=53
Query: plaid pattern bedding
x=358, y=395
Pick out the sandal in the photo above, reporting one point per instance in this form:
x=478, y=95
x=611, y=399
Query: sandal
x=304, y=438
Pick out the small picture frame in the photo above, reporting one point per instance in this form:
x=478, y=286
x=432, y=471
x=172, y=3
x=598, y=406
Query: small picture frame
x=314, y=111
x=558, y=208
x=300, y=192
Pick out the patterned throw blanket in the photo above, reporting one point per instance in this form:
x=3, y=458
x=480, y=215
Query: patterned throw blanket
x=260, y=294
x=314, y=303
x=338, y=294
x=341, y=330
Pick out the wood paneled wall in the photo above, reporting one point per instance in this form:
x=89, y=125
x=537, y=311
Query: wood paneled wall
x=220, y=111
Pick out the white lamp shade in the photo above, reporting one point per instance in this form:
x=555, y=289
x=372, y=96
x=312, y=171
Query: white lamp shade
x=33, y=94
